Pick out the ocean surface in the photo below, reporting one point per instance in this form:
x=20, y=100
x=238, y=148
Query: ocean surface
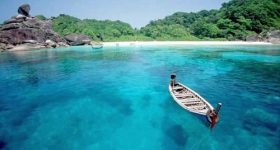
x=116, y=98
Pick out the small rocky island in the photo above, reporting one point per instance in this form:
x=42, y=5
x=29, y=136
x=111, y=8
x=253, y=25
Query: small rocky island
x=23, y=32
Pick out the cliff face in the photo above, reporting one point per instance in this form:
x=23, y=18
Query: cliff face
x=25, y=32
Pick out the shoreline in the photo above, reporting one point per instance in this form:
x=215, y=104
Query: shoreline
x=25, y=47
x=140, y=43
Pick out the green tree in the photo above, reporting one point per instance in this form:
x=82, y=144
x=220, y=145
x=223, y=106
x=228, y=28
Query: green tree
x=202, y=29
x=41, y=17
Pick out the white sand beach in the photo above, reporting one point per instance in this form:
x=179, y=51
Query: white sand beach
x=139, y=43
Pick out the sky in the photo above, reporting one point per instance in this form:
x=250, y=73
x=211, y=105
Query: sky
x=137, y=13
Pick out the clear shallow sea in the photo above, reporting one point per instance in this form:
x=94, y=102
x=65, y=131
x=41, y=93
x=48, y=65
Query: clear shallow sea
x=117, y=98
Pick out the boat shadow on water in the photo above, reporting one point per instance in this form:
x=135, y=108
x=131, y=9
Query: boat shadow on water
x=203, y=119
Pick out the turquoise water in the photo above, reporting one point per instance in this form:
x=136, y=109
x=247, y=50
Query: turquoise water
x=117, y=98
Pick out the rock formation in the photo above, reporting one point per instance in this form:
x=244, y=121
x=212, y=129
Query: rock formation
x=274, y=37
x=25, y=31
x=24, y=10
x=271, y=37
x=77, y=39
x=254, y=38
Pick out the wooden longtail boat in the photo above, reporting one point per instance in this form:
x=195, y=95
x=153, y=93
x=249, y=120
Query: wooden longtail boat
x=193, y=102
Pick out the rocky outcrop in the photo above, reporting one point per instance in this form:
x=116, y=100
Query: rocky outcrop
x=25, y=31
x=274, y=36
x=77, y=39
x=254, y=38
x=271, y=37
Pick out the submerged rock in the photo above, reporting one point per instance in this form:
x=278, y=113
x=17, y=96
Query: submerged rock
x=177, y=134
x=77, y=39
x=2, y=144
x=259, y=121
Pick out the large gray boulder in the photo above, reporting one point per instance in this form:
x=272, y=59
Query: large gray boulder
x=254, y=38
x=77, y=39
x=274, y=36
x=24, y=10
x=50, y=43
x=31, y=29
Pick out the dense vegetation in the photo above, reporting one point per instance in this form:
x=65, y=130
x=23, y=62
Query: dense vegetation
x=235, y=20
x=97, y=30
x=41, y=17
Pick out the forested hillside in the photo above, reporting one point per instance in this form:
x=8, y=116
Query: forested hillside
x=97, y=30
x=234, y=20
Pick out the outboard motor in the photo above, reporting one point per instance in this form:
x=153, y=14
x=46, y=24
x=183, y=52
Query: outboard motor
x=218, y=107
x=214, y=115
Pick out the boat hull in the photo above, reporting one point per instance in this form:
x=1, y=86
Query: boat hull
x=182, y=102
x=202, y=115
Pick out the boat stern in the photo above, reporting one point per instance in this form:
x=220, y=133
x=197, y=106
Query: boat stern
x=213, y=116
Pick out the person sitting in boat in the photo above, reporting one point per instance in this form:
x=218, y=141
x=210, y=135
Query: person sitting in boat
x=173, y=80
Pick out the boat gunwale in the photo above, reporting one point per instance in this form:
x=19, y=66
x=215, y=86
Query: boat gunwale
x=194, y=93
